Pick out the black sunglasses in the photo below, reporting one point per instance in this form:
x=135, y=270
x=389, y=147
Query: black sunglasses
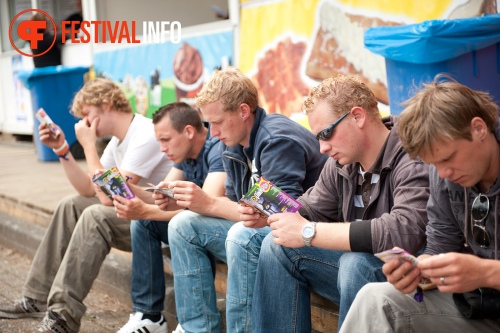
x=479, y=213
x=327, y=133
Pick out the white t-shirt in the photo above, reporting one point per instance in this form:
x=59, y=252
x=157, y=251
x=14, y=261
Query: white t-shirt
x=138, y=153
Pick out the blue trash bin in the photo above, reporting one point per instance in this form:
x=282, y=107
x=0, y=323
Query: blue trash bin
x=467, y=49
x=53, y=89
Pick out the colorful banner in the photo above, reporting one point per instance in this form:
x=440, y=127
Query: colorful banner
x=21, y=93
x=289, y=46
x=153, y=75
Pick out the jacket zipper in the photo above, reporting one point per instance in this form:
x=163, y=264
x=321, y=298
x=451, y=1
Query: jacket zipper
x=246, y=170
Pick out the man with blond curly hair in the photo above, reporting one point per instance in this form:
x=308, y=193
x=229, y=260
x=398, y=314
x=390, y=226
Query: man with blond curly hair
x=255, y=145
x=85, y=226
x=369, y=198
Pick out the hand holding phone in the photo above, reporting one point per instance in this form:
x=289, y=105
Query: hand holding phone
x=166, y=191
x=397, y=253
x=404, y=256
x=44, y=118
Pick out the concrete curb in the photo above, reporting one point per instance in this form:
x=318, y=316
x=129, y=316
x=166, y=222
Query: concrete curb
x=115, y=273
x=25, y=237
x=23, y=225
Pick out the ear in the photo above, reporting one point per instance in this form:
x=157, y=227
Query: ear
x=359, y=115
x=190, y=131
x=245, y=111
x=105, y=108
x=478, y=128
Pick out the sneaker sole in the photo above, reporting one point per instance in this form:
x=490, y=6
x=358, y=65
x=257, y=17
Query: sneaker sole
x=22, y=315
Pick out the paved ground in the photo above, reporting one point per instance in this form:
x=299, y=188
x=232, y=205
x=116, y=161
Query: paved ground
x=31, y=189
x=105, y=312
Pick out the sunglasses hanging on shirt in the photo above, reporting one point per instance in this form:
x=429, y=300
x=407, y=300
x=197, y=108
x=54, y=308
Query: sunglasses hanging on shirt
x=479, y=213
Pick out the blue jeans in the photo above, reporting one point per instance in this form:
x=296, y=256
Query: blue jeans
x=191, y=238
x=243, y=248
x=285, y=276
x=148, y=277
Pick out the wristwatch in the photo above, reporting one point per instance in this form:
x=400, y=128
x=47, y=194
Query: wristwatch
x=308, y=232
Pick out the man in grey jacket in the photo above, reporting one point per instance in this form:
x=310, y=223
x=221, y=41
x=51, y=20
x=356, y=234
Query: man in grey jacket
x=456, y=130
x=370, y=185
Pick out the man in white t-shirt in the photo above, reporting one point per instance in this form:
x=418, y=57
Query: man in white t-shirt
x=84, y=227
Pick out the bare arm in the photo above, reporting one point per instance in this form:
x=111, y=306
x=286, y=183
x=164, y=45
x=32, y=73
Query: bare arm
x=210, y=200
x=78, y=178
x=287, y=229
x=143, y=207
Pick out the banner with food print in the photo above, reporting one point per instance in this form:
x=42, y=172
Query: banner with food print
x=153, y=75
x=289, y=46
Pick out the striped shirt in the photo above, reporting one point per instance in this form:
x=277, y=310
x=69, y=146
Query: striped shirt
x=366, y=183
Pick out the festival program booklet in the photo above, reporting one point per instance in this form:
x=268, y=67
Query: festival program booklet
x=112, y=182
x=267, y=198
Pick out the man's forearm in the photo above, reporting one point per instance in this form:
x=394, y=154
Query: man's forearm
x=333, y=236
x=77, y=176
x=222, y=207
x=156, y=214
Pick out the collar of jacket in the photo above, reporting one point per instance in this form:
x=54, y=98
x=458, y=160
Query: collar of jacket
x=239, y=150
x=388, y=155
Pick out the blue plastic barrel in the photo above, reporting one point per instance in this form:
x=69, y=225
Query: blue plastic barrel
x=466, y=49
x=53, y=89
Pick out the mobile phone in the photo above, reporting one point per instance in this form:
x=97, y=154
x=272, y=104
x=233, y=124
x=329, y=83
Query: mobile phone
x=43, y=117
x=397, y=253
x=167, y=191
x=403, y=257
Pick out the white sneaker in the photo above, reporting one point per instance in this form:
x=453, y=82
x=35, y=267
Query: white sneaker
x=179, y=329
x=138, y=325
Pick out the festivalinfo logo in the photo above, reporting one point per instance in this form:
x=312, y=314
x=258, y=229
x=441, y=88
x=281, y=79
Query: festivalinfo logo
x=154, y=32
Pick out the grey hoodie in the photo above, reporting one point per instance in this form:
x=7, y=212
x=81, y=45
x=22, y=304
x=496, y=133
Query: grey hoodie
x=396, y=214
x=449, y=228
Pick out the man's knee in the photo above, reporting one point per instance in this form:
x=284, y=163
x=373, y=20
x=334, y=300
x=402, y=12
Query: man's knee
x=71, y=199
x=100, y=219
x=184, y=225
x=135, y=228
x=270, y=251
x=356, y=261
x=377, y=291
x=359, y=266
x=249, y=239
x=139, y=226
x=76, y=202
x=239, y=234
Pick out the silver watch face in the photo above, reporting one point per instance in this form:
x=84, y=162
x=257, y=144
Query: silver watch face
x=308, y=231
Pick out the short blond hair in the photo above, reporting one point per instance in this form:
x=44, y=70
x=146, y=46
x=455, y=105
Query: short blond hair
x=100, y=92
x=443, y=109
x=231, y=87
x=342, y=93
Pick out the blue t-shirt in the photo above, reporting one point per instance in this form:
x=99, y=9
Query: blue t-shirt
x=209, y=160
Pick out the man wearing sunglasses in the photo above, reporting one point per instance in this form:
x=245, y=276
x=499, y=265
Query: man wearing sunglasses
x=456, y=130
x=369, y=185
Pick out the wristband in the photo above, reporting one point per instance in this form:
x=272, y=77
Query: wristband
x=62, y=151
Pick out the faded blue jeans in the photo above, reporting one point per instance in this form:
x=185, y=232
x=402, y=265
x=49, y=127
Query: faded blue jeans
x=148, y=277
x=285, y=277
x=191, y=238
x=243, y=249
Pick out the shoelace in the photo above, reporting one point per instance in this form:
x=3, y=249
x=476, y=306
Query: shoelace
x=46, y=324
x=29, y=305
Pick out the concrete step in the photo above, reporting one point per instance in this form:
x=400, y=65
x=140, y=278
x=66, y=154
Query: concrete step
x=114, y=276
